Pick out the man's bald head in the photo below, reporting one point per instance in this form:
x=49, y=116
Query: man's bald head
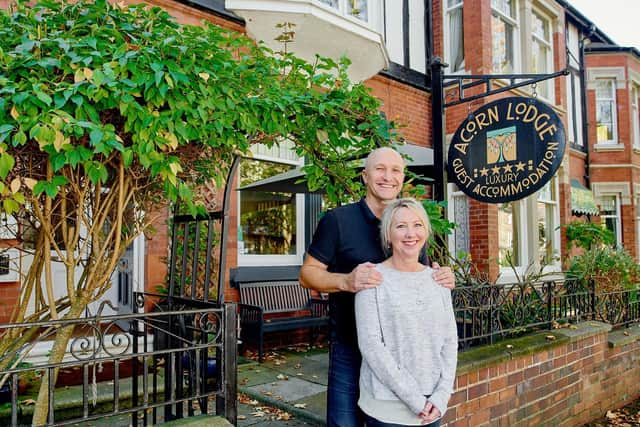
x=382, y=152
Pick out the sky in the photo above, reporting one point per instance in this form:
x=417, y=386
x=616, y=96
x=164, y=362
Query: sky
x=616, y=18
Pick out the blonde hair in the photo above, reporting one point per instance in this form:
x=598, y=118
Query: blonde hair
x=390, y=212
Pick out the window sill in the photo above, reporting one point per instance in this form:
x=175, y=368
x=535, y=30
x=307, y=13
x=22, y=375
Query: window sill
x=608, y=147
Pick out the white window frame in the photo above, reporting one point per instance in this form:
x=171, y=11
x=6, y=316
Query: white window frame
x=614, y=113
x=548, y=91
x=374, y=11
x=512, y=21
x=617, y=216
x=461, y=233
x=244, y=260
x=447, y=36
x=637, y=233
x=552, y=208
x=635, y=115
x=520, y=215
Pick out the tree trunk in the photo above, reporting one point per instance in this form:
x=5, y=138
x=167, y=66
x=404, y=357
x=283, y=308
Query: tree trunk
x=58, y=351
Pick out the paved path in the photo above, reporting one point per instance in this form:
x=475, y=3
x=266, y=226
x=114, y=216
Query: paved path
x=291, y=381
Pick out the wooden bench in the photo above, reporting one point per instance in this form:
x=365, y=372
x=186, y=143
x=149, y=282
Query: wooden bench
x=277, y=305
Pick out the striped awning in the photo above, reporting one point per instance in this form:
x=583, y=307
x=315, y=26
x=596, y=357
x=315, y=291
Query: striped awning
x=582, y=201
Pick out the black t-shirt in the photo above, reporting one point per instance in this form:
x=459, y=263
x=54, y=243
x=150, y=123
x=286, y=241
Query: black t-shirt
x=345, y=237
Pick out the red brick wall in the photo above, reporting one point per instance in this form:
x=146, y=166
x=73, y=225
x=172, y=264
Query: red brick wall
x=406, y=105
x=567, y=385
x=9, y=293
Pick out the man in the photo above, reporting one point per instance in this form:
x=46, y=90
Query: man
x=340, y=261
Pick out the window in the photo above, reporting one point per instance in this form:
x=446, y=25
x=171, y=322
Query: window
x=356, y=8
x=542, y=57
x=635, y=115
x=504, y=36
x=271, y=223
x=606, y=127
x=547, y=207
x=610, y=215
x=574, y=111
x=509, y=232
x=458, y=213
x=454, y=33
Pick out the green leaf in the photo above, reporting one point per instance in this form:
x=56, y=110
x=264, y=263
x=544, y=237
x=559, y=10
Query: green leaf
x=6, y=164
x=127, y=157
x=96, y=136
x=43, y=97
x=10, y=206
x=6, y=128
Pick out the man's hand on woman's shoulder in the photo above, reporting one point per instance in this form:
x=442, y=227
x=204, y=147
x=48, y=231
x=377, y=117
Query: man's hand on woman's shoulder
x=444, y=276
x=364, y=276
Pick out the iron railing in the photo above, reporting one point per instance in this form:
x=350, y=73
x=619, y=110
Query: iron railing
x=488, y=313
x=175, y=361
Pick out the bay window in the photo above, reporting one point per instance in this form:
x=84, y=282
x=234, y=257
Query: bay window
x=454, y=35
x=547, y=210
x=606, y=117
x=635, y=115
x=542, y=56
x=504, y=36
x=610, y=215
x=270, y=223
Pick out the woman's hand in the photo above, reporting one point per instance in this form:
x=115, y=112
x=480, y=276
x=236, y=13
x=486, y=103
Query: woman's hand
x=429, y=414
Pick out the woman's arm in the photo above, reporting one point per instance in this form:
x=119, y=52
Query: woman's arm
x=448, y=358
x=385, y=367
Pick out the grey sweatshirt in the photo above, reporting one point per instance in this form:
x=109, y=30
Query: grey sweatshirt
x=408, y=339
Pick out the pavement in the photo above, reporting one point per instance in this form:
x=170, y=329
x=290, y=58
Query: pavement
x=287, y=389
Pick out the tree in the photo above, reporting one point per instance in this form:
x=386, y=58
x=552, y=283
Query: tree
x=107, y=111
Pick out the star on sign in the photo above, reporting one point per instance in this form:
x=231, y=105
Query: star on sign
x=520, y=167
x=507, y=168
x=495, y=170
x=484, y=172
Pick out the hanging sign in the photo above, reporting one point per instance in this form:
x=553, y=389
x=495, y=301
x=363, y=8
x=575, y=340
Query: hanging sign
x=506, y=150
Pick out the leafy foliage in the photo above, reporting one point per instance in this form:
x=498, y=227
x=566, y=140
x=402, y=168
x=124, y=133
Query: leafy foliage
x=586, y=235
x=610, y=269
x=109, y=111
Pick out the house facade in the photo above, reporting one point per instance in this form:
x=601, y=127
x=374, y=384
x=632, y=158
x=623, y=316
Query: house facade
x=391, y=44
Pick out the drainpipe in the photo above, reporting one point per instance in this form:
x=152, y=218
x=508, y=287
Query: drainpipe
x=583, y=104
x=434, y=71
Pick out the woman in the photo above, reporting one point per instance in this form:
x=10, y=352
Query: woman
x=406, y=329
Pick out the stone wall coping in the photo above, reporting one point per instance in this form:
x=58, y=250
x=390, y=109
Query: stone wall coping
x=584, y=330
x=622, y=337
x=489, y=355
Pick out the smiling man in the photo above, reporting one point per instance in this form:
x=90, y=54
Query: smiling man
x=340, y=260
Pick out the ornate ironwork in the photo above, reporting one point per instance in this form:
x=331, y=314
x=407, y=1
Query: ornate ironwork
x=174, y=356
x=486, y=313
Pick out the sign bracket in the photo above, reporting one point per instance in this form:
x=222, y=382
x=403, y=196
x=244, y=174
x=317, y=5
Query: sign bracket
x=474, y=80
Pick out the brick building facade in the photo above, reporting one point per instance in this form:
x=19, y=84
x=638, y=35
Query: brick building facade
x=473, y=37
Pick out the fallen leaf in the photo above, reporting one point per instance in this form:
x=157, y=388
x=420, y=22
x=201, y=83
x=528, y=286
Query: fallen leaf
x=284, y=416
x=550, y=337
x=282, y=377
x=241, y=417
x=297, y=366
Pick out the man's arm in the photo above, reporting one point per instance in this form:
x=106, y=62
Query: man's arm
x=314, y=275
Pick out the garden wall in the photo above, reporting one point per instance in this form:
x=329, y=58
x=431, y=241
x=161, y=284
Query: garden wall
x=567, y=380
